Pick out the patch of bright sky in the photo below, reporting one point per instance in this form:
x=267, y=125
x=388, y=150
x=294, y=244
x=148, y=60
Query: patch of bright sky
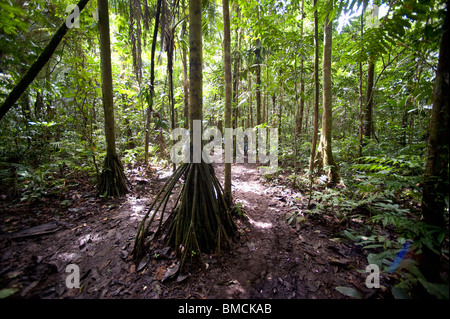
x=348, y=14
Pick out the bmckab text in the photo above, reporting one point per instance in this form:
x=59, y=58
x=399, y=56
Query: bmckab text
x=231, y=308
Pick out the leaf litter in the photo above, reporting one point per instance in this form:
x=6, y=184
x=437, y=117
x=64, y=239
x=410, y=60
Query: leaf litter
x=268, y=259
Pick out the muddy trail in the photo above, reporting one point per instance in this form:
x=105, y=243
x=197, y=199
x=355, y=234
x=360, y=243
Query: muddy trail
x=267, y=259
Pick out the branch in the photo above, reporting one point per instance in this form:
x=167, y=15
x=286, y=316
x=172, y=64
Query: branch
x=37, y=66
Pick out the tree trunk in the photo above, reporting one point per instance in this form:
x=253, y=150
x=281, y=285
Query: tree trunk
x=250, y=101
x=228, y=91
x=302, y=81
x=280, y=109
x=361, y=97
x=37, y=66
x=316, y=90
x=368, y=109
x=237, y=65
x=185, y=75
x=436, y=177
x=195, y=63
x=201, y=221
x=171, y=45
x=152, y=82
x=112, y=181
x=258, y=77
x=325, y=154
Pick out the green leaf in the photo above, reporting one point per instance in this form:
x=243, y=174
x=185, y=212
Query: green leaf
x=350, y=292
x=400, y=293
x=372, y=246
x=351, y=236
x=5, y=293
x=438, y=290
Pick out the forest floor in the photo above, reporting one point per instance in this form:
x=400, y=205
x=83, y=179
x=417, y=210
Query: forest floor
x=267, y=259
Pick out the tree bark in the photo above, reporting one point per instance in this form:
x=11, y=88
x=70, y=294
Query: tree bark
x=237, y=66
x=37, y=66
x=316, y=90
x=185, y=75
x=325, y=155
x=302, y=81
x=436, y=177
x=195, y=62
x=258, y=76
x=368, y=109
x=107, y=86
x=228, y=91
x=258, y=82
x=152, y=82
x=361, y=97
x=250, y=102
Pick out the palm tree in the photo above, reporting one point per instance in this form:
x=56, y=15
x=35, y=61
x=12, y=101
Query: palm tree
x=112, y=181
x=201, y=219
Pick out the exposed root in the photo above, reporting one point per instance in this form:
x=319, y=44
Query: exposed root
x=201, y=220
x=112, y=180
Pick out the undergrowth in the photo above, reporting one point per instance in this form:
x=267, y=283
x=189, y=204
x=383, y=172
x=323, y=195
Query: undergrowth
x=379, y=210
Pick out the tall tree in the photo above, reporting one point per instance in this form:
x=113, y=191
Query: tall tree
x=228, y=91
x=112, y=181
x=302, y=80
x=185, y=72
x=151, y=92
x=316, y=90
x=258, y=75
x=436, y=177
x=258, y=81
x=368, y=127
x=360, y=84
x=201, y=221
x=195, y=64
x=325, y=157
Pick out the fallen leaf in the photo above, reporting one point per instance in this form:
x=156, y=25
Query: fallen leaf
x=348, y=291
x=171, y=272
x=160, y=272
x=132, y=268
x=142, y=264
x=181, y=278
x=339, y=262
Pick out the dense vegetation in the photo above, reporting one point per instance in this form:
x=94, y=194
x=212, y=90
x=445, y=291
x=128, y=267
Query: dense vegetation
x=359, y=151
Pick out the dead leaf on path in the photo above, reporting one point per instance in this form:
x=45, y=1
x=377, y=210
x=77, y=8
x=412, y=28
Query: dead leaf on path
x=338, y=262
x=104, y=264
x=181, y=278
x=160, y=272
x=172, y=271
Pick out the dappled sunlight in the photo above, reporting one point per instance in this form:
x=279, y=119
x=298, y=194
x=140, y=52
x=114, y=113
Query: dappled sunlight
x=251, y=186
x=138, y=207
x=262, y=225
x=68, y=257
x=235, y=288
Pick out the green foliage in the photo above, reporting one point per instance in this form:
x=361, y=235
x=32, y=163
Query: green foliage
x=382, y=198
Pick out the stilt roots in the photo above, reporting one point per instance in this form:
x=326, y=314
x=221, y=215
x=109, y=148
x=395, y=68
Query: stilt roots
x=200, y=221
x=112, y=180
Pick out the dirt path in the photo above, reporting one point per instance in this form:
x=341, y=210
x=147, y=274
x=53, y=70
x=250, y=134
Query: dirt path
x=269, y=259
